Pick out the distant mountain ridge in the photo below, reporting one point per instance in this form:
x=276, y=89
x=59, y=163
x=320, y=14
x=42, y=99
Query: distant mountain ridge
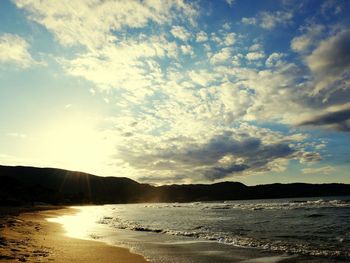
x=23, y=185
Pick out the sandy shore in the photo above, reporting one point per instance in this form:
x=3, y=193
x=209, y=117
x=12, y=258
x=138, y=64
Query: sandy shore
x=29, y=237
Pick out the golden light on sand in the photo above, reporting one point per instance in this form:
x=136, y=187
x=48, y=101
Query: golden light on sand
x=80, y=225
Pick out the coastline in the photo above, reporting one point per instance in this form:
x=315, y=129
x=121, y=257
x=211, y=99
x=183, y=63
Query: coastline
x=33, y=237
x=29, y=237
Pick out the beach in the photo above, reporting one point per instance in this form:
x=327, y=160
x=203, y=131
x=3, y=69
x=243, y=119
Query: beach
x=29, y=237
x=276, y=230
x=269, y=231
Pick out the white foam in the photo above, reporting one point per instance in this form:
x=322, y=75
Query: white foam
x=274, y=259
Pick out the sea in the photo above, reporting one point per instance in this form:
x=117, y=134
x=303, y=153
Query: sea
x=262, y=231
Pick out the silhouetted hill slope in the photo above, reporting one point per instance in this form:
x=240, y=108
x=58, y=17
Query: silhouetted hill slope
x=203, y=192
x=57, y=185
x=297, y=190
x=29, y=184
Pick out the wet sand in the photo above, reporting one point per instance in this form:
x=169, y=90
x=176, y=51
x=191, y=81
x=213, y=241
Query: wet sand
x=29, y=237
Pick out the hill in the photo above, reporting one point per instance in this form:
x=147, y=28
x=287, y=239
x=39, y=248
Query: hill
x=23, y=185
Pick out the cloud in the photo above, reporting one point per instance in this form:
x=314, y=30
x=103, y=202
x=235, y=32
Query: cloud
x=249, y=21
x=217, y=156
x=255, y=47
x=14, y=49
x=122, y=66
x=163, y=180
x=235, y=99
x=330, y=62
x=180, y=33
x=269, y=20
x=17, y=135
x=331, y=6
x=201, y=37
x=236, y=60
x=255, y=55
x=214, y=38
x=173, y=106
x=230, y=2
x=319, y=170
x=90, y=23
x=187, y=50
x=201, y=77
x=308, y=157
x=302, y=43
x=218, y=173
x=339, y=120
x=273, y=88
x=230, y=39
x=226, y=26
x=275, y=60
x=223, y=55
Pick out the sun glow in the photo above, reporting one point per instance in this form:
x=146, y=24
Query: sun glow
x=73, y=142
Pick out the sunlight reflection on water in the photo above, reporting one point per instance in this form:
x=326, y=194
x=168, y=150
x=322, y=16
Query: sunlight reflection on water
x=80, y=224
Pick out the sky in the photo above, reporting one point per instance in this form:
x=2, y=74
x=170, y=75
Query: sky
x=176, y=91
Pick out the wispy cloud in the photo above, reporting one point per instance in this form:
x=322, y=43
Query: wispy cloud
x=230, y=2
x=17, y=135
x=269, y=20
x=249, y=20
x=319, y=170
x=15, y=49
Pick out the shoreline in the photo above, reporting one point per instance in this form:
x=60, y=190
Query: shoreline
x=29, y=237
x=32, y=237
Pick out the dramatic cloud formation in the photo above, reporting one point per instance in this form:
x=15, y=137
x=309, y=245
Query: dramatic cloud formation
x=176, y=91
x=339, y=120
x=330, y=62
x=220, y=155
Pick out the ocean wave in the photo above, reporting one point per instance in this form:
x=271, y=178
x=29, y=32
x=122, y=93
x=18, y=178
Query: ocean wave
x=202, y=233
x=295, y=204
x=255, y=206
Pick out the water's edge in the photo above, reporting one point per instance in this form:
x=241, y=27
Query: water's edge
x=145, y=230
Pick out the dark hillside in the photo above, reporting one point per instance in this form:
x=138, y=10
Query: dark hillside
x=23, y=185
